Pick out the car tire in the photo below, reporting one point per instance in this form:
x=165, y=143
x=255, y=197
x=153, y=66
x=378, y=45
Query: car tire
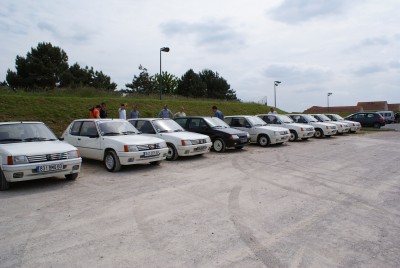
x=263, y=140
x=293, y=136
x=4, y=184
x=172, y=153
x=111, y=161
x=376, y=125
x=318, y=133
x=219, y=145
x=71, y=177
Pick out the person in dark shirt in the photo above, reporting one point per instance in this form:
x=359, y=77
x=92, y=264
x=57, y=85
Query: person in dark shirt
x=103, y=110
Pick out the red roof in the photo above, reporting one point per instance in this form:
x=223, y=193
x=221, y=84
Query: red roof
x=374, y=105
x=334, y=109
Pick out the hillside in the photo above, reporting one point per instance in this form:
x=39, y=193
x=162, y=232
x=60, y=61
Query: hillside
x=57, y=111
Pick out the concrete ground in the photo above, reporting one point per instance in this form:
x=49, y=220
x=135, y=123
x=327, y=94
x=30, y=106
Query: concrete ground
x=332, y=202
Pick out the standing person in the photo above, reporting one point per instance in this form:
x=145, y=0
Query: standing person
x=134, y=112
x=181, y=113
x=94, y=112
x=217, y=113
x=122, y=111
x=165, y=112
x=103, y=110
x=272, y=111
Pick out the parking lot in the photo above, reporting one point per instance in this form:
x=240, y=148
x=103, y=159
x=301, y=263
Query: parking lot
x=332, y=202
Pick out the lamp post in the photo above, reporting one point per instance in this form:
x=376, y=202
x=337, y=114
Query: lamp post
x=329, y=93
x=276, y=83
x=163, y=49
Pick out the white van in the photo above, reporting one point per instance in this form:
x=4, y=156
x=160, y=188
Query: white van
x=388, y=115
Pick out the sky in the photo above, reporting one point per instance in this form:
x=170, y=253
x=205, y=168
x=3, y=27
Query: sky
x=314, y=47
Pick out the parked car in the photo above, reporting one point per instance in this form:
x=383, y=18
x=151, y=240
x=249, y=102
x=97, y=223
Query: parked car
x=342, y=127
x=321, y=129
x=115, y=142
x=388, y=115
x=297, y=130
x=30, y=150
x=259, y=131
x=397, y=117
x=354, y=126
x=222, y=136
x=367, y=119
x=179, y=141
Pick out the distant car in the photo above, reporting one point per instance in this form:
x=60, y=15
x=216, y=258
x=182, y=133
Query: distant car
x=368, y=119
x=342, y=127
x=321, y=129
x=222, y=135
x=259, y=131
x=388, y=115
x=30, y=150
x=179, y=141
x=354, y=126
x=115, y=142
x=397, y=117
x=297, y=130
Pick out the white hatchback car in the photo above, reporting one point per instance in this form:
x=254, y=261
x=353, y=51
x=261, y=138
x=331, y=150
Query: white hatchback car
x=321, y=129
x=114, y=141
x=179, y=141
x=30, y=150
x=342, y=127
x=354, y=126
x=297, y=130
x=259, y=131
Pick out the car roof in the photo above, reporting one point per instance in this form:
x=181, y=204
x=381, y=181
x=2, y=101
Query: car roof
x=240, y=116
x=20, y=122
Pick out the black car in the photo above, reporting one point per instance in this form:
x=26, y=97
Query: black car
x=375, y=120
x=221, y=134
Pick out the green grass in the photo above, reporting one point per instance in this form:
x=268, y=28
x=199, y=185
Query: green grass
x=58, y=108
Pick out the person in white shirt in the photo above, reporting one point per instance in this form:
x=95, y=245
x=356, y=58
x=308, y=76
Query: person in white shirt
x=122, y=111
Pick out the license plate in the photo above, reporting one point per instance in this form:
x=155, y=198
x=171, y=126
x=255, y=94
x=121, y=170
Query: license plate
x=243, y=140
x=49, y=167
x=151, y=153
x=200, y=148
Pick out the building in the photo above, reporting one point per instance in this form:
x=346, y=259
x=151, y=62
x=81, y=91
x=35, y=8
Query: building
x=360, y=107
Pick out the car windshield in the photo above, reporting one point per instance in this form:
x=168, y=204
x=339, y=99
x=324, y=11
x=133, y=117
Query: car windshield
x=338, y=117
x=167, y=125
x=215, y=122
x=25, y=132
x=324, y=117
x=256, y=121
x=111, y=128
x=285, y=119
x=310, y=118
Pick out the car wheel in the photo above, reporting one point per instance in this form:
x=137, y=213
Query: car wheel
x=318, y=133
x=377, y=125
x=4, y=184
x=219, y=145
x=172, y=153
x=71, y=177
x=293, y=136
x=111, y=161
x=263, y=140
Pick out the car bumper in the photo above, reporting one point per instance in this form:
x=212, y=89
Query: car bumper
x=25, y=172
x=343, y=130
x=237, y=142
x=132, y=158
x=306, y=134
x=194, y=149
x=355, y=128
x=280, y=139
x=330, y=132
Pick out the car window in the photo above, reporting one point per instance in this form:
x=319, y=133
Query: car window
x=145, y=126
x=76, y=126
x=359, y=116
x=88, y=129
x=196, y=123
x=370, y=115
x=25, y=132
x=181, y=121
x=237, y=122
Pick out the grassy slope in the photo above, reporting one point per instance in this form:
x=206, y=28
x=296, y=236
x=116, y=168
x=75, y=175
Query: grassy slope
x=58, y=111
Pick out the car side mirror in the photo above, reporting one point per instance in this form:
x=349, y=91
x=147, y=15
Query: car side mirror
x=60, y=138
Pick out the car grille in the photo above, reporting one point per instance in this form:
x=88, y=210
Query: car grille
x=198, y=141
x=284, y=132
x=309, y=129
x=145, y=147
x=47, y=157
x=334, y=127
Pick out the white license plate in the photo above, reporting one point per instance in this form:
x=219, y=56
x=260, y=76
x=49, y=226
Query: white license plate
x=200, y=148
x=46, y=168
x=151, y=153
x=243, y=140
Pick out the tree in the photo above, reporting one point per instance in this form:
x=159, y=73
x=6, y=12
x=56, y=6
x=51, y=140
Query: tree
x=144, y=83
x=191, y=85
x=43, y=67
x=217, y=87
x=169, y=82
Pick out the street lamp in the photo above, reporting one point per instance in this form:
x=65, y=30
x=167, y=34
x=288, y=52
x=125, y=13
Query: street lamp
x=329, y=93
x=163, y=49
x=276, y=83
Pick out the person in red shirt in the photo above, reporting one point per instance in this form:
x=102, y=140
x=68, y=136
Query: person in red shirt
x=95, y=112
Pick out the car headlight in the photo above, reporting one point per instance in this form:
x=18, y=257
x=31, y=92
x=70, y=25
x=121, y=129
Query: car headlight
x=248, y=135
x=276, y=133
x=17, y=160
x=73, y=154
x=163, y=144
x=234, y=137
x=208, y=139
x=130, y=148
x=186, y=142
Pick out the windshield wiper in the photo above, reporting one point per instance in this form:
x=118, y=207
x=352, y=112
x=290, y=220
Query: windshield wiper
x=128, y=132
x=10, y=140
x=111, y=133
x=178, y=130
x=38, y=139
x=163, y=131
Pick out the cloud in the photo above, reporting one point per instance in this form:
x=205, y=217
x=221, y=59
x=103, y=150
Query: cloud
x=218, y=35
x=292, y=12
x=296, y=74
x=369, y=69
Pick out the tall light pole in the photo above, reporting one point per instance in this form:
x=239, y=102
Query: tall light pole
x=163, y=49
x=329, y=93
x=276, y=83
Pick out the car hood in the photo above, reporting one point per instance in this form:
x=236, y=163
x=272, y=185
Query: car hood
x=299, y=125
x=36, y=148
x=272, y=128
x=230, y=130
x=185, y=135
x=133, y=139
x=351, y=122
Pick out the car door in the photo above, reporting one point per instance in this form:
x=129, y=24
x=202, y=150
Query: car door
x=146, y=127
x=90, y=143
x=199, y=125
